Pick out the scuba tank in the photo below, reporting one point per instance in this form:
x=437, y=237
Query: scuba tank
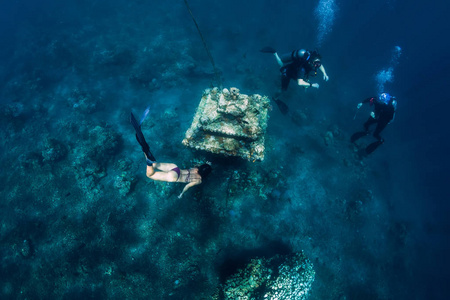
x=296, y=55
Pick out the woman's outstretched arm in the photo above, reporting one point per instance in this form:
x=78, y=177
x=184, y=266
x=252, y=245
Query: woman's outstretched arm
x=188, y=186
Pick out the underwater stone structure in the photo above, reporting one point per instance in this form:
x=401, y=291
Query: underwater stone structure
x=282, y=277
x=229, y=123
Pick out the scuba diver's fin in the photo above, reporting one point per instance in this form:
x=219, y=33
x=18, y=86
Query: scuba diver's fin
x=356, y=136
x=284, y=109
x=140, y=138
x=268, y=50
x=373, y=146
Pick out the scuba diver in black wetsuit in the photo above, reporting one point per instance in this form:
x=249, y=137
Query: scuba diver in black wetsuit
x=384, y=112
x=297, y=65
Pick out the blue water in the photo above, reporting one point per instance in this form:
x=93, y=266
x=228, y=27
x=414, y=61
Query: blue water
x=79, y=219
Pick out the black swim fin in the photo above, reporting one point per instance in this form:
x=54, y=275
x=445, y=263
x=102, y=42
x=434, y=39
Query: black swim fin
x=268, y=50
x=373, y=146
x=284, y=109
x=140, y=138
x=356, y=136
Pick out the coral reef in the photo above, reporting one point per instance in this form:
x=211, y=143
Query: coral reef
x=12, y=110
x=82, y=101
x=123, y=183
x=230, y=123
x=53, y=151
x=280, y=277
x=90, y=159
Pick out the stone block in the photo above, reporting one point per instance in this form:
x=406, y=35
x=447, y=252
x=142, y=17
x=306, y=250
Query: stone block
x=230, y=123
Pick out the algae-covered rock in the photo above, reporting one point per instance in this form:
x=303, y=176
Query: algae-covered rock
x=281, y=277
x=230, y=123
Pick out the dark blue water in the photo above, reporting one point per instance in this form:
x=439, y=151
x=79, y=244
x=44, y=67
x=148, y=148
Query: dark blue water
x=79, y=219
